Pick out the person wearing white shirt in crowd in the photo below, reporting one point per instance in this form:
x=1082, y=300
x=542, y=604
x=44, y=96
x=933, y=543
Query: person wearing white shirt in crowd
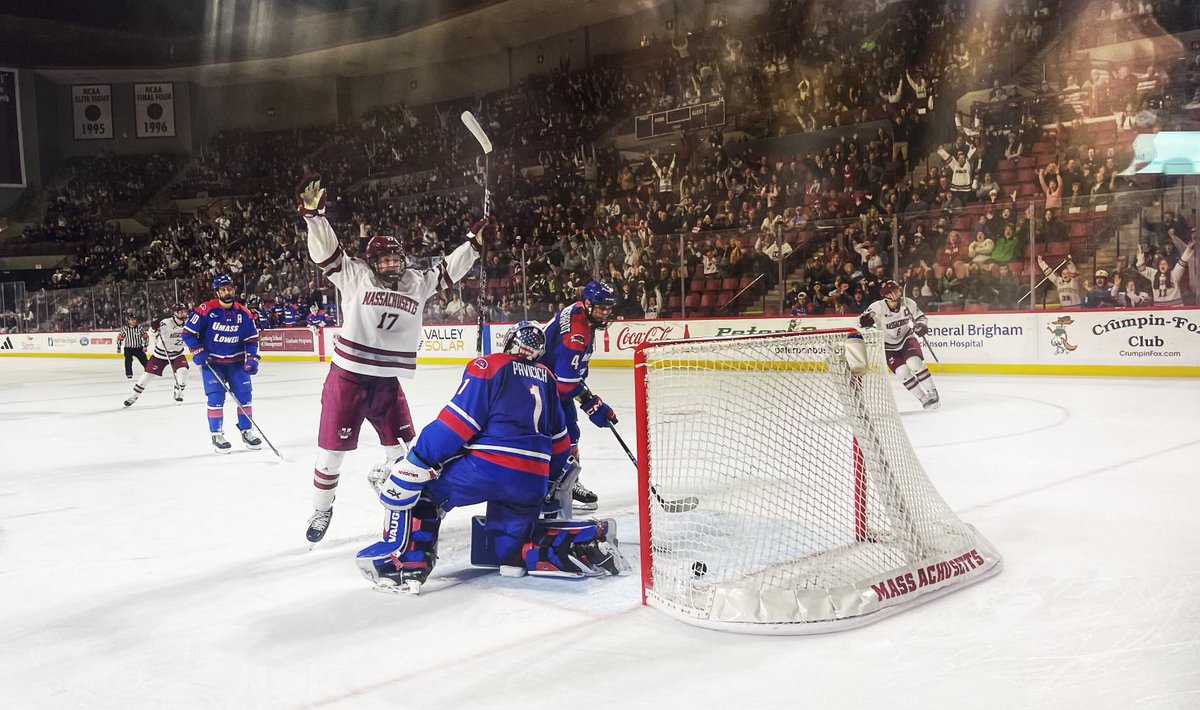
x=1165, y=286
x=1069, y=292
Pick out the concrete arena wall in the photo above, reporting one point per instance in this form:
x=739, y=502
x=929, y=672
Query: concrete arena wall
x=1154, y=343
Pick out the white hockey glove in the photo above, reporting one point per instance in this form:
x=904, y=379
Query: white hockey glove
x=402, y=489
x=379, y=473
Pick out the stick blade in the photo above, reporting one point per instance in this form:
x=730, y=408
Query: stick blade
x=476, y=130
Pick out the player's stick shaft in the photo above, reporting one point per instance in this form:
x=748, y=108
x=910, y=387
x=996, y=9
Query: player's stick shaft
x=242, y=409
x=682, y=505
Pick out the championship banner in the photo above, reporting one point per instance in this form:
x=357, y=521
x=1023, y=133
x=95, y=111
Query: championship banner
x=91, y=106
x=154, y=109
x=12, y=154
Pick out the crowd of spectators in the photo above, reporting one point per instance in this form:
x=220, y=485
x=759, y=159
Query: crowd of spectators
x=664, y=224
x=109, y=186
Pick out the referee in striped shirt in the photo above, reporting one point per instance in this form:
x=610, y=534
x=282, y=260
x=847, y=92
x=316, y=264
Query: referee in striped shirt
x=132, y=340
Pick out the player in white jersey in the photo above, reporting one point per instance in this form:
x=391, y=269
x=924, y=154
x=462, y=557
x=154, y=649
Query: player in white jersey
x=168, y=350
x=383, y=304
x=902, y=323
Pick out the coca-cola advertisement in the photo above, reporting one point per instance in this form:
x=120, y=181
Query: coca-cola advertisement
x=625, y=336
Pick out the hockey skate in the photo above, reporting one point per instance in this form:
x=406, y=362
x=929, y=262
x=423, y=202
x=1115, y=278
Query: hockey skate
x=129, y=402
x=388, y=580
x=931, y=401
x=582, y=498
x=177, y=394
x=220, y=445
x=251, y=441
x=318, y=524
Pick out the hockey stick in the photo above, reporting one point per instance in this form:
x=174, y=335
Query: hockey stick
x=680, y=505
x=242, y=409
x=922, y=337
x=1044, y=280
x=486, y=144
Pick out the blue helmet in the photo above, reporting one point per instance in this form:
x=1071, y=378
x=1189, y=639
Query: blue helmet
x=598, y=293
x=223, y=280
x=525, y=339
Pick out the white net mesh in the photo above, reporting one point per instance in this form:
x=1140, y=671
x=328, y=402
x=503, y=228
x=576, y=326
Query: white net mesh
x=784, y=494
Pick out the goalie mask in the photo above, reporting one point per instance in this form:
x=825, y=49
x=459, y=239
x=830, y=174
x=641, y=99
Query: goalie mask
x=525, y=339
x=598, y=301
x=890, y=290
x=386, y=258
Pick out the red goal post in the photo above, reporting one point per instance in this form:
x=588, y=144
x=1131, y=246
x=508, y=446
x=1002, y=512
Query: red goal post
x=811, y=512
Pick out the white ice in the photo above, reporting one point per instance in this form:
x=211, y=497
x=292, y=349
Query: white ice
x=140, y=570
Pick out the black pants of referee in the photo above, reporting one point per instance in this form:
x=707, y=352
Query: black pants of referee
x=130, y=354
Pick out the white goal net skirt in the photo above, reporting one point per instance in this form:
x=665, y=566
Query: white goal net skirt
x=780, y=493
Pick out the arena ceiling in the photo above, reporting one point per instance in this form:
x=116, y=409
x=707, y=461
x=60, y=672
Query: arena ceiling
x=216, y=42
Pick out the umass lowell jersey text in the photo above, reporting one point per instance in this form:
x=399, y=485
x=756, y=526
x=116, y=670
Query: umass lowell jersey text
x=227, y=334
x=514, y=404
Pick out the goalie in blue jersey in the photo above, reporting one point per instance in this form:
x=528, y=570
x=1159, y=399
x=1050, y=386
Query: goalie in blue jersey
x=502, y=440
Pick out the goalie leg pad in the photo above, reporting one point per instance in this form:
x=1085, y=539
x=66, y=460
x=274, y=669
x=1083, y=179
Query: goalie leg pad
x=573, y=549
x=565, y=549
x=408, y=549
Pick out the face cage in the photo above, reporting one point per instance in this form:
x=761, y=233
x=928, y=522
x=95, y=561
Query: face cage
x=601, y=324
x=390, y=277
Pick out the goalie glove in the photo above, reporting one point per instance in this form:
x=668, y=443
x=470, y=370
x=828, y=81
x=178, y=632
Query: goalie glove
x=600, y=413
x=920, y=329
x=484, y=229
x=867, y=319
x=310, y=197
x=402, y=489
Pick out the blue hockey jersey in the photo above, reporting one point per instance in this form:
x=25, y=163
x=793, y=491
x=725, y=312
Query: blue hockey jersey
x=569, y=340
x=506, y=414
x=227, y=334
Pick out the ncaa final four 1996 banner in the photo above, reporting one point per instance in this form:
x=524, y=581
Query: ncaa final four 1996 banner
x=12, y=156
x=154, y=109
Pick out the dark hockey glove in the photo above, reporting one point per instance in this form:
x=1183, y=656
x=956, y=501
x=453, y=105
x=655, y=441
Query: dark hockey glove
x=920, y=329
x=310, y=197
x=484, y=229
x=199, y=358
x=599, y=412
x=251, y=366
x=867, y=319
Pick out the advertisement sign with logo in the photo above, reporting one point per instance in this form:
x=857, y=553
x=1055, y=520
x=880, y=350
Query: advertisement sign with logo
x=91, y=110
x=1164, y=338
x=1114, y=342
x=447, y=341
x=440, y=344
x=286, y=340
x=982, y=338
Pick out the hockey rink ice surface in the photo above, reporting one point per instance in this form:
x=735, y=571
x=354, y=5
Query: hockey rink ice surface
x=140, y=570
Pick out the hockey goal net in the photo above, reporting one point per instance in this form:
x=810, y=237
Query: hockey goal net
x=779, y=492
